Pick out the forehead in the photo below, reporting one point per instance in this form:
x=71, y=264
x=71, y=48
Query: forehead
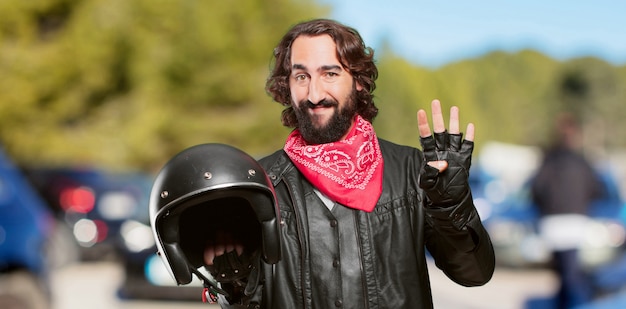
x=314, y=51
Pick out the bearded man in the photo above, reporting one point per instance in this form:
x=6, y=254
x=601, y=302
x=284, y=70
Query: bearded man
x=358, y=213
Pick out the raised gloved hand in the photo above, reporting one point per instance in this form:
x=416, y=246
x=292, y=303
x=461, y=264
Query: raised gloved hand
x=447, y=158
x=447, y=187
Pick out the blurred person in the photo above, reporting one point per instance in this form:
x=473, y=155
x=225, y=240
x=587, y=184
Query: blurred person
x=563, y=189
x=358, y=212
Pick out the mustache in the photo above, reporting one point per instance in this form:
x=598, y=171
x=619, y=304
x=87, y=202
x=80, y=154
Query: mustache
x=323, y=103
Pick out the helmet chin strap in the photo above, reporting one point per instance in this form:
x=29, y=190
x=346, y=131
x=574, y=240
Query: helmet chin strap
x=211, y=289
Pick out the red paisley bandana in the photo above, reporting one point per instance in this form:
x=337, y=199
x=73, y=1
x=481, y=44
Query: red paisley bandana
x=349, y=171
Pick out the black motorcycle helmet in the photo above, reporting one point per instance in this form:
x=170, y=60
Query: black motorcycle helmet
x=206, y=188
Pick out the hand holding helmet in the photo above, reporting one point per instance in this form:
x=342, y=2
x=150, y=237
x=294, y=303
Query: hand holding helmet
x=203, y=193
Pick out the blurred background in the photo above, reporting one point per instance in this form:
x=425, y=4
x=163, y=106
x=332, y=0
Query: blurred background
x=95, y=97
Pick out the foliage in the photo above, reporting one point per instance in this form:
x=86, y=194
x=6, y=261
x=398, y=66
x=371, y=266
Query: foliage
x=510, y=97
x=129, y=83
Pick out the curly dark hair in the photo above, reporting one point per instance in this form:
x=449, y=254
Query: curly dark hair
x=354, y=56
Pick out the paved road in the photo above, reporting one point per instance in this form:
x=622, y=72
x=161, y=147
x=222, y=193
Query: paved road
x=94, y=285
x=508, y=289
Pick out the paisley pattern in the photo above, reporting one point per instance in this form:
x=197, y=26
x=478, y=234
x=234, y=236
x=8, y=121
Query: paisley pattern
x=348, y=171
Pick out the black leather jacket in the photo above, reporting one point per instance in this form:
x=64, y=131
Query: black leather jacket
x=392, y=241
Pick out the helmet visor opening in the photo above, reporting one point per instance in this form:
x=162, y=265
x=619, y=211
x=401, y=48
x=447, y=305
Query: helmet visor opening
x=232, y=216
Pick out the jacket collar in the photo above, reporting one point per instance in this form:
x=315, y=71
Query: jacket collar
x=276, y=165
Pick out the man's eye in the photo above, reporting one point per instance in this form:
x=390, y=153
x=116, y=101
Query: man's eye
x=300, y=77
x=331, y=75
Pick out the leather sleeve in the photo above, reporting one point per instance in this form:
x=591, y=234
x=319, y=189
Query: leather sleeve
x=459, y=244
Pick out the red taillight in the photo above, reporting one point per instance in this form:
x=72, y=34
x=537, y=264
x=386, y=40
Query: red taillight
x=79, y=199
x=103, y=230
x=90, y=232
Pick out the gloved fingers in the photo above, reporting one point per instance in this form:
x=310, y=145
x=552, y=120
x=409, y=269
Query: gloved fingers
x=467, y=147
x=215, y=246
x=228, y=242
x=238, y=262
x=447, y=186
x=455, y=141
x=230, y=266
x=444, y=185
x=442, y=140
x=429, y=148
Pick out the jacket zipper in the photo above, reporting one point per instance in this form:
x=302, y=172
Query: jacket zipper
x=301, y=241
x=363, y=275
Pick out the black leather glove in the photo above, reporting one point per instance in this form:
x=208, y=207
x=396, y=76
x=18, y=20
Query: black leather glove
x=238, y=274
x=232, y=268
x=450, y=186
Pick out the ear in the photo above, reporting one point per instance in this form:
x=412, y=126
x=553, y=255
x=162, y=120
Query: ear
x=358, y=85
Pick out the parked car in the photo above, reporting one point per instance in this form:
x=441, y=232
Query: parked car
x=92, y=203
x=501, y=187
x=146, y=276
x=25, y=223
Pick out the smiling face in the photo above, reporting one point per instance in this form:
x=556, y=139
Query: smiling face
x=322, y=91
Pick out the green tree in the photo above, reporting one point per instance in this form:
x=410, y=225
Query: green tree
x=131, y=82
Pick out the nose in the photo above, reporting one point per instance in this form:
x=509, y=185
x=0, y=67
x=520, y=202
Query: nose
x=316, y=91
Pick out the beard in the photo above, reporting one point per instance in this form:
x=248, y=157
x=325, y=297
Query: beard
x=337, y=126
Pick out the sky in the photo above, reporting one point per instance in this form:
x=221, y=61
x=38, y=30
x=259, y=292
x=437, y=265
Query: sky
x=434, y=33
